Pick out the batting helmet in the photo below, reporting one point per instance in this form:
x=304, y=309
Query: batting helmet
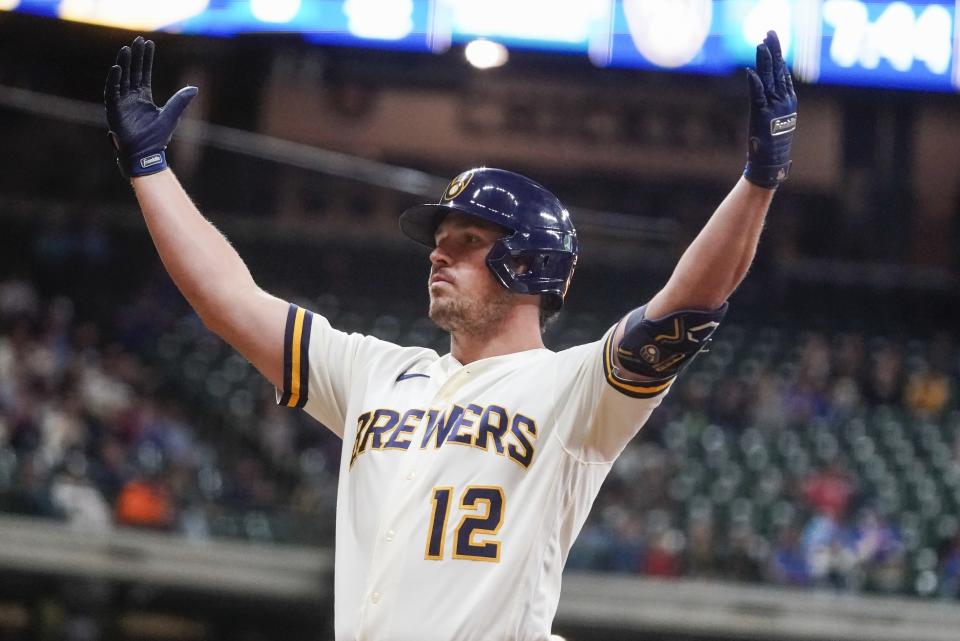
x=542, y=239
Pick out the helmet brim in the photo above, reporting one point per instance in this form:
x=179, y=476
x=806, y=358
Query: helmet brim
x=420, y=223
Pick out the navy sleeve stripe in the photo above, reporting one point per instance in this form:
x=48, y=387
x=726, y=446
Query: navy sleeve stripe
x=287, y=338
x=304, y=373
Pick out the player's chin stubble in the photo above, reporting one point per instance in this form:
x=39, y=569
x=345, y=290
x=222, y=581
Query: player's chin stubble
x=465, y=315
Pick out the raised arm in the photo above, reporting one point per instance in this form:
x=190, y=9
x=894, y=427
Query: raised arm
x=205, y=267
x=656, y=341
x=719, y=257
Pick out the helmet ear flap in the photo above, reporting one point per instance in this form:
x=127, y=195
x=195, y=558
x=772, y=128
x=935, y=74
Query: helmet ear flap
x=517, y=270
x=498, y=260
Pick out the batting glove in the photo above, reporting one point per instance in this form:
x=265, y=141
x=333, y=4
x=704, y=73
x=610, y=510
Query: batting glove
x=773, y=116
x=140, y=130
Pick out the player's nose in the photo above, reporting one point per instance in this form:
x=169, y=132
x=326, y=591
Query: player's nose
x=439, y=258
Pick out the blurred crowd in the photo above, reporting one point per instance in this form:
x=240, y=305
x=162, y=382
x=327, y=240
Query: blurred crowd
x=94, y=433
x=812, y=459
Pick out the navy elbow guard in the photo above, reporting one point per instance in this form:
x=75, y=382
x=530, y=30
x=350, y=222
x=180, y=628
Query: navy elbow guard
x=660, y=349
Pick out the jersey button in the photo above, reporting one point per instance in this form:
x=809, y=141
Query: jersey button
x=411, y=476
x=375, y=597
x=390, y=535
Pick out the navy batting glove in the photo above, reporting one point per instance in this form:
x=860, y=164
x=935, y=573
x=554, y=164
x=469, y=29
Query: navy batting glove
x=773, y=116
x=140, y=130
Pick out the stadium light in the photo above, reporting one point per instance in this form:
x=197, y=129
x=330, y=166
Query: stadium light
x=275, y=11
x=486, y=54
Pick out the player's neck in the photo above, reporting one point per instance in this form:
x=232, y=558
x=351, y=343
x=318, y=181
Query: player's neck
x=515, y=333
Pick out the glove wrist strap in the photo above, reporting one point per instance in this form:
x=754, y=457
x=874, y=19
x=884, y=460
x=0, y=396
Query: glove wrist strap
x=767, y=176
x=143, y=164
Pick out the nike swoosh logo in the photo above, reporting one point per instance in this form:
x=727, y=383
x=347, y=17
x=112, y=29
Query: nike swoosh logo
x=405, y=376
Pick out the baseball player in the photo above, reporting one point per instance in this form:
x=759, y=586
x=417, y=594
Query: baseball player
x=464, y=478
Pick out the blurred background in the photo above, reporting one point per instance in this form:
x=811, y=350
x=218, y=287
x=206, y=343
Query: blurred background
x=801, y=481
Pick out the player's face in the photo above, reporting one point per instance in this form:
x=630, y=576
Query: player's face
x=464, y=296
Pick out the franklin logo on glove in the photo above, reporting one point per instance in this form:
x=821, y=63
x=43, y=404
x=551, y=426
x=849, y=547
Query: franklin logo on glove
x=785, y=125
x=150, y=161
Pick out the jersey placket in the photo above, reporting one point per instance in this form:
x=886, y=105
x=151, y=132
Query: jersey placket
x=395, y=534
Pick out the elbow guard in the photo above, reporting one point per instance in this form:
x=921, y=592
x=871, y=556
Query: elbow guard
x=660, y=349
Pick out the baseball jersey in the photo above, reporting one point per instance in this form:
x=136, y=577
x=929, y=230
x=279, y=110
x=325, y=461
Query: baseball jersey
x=461, y=487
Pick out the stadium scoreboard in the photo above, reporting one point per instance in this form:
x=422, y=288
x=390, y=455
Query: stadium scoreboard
x=904, y=45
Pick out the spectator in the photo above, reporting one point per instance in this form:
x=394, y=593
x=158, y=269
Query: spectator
x=146, y=501
x=18, y=297
x=950, y=571
x=878, y=550
x=829, y=491
x=31, y=494
x=77, y=498
x=744, y=555
x=928, y=391
x=662, y=559
x=701, y=547
x=788, y=564
x=819, y=542
x=885, y=378
x=628, y=544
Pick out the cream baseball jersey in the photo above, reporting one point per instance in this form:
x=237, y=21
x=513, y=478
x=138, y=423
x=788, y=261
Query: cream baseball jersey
x=461, y=487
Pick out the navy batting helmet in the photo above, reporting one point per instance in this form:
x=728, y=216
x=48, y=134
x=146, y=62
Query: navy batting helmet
x=542, y=239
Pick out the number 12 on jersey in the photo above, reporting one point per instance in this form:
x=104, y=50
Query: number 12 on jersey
x=482, y=508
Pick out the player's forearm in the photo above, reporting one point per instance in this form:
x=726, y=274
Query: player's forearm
x=721, y=254
x=202, y=263
x=718, y=258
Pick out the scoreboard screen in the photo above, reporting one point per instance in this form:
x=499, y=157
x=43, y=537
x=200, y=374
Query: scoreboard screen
x=909, y=44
